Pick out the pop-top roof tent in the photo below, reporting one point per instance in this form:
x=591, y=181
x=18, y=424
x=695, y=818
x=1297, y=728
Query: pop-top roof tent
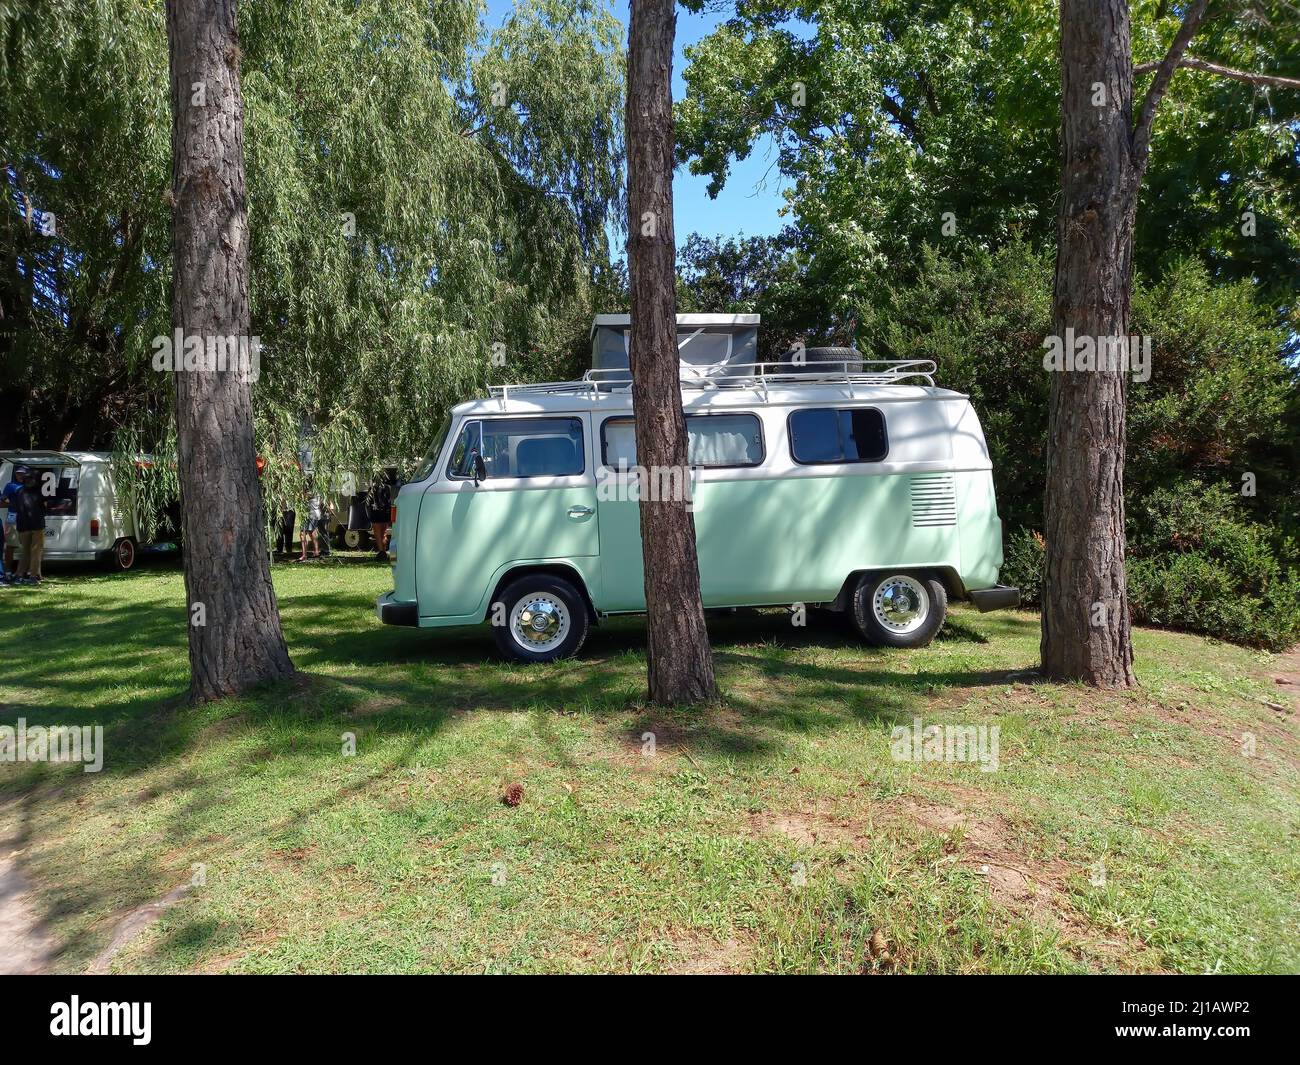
x=708, y=342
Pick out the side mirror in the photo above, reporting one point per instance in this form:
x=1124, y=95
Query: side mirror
x=480, y=468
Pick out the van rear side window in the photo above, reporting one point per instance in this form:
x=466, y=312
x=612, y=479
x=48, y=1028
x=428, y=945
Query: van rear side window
x=713, y=441
x=826, y=435
x=520, y=447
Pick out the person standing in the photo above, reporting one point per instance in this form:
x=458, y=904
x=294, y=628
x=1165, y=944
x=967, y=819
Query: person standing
x=9, y=539
x=9, y=500
x=311, y=526
x=30, y=521
x=284, y=534
x=379, y=511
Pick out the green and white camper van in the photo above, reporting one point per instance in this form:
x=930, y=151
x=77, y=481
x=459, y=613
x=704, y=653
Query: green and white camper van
x=861, y=488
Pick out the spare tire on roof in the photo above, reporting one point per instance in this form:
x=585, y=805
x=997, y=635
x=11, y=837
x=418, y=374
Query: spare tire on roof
x=849, y=359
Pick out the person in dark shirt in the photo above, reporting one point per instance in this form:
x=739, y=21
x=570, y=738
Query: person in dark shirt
x=30, y=509
x=379, y=510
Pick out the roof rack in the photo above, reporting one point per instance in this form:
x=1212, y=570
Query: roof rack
x=755, y=376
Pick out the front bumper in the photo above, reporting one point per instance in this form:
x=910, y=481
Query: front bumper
x=999, y=597
x=395, y=612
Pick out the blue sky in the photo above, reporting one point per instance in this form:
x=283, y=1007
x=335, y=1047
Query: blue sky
x=752, y=197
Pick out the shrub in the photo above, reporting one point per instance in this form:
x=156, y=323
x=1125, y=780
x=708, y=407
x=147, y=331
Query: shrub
x=1197, y=562
x=1024, y=555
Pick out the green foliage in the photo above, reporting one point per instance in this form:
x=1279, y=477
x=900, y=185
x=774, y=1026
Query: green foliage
x=1024, y=558
x=753, y=275
x=913, y=115
x=1198, y=563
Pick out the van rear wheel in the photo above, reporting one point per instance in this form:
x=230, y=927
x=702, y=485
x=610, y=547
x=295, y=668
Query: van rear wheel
x=539, y=619
x=121, y=556
x=899, y=609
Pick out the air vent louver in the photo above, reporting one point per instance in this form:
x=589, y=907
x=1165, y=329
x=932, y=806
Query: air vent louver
x=934, y=500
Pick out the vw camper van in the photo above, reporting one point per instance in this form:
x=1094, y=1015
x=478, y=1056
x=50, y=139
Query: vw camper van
x=858, y=487
x=88, y=521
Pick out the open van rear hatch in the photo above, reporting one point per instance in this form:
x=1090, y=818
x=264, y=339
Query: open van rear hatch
x=66, y=469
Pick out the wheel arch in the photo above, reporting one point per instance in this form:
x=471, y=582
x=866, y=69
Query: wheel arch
x=945, y=575
x=564, y=570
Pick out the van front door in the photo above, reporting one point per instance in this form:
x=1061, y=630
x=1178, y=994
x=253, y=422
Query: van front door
x=516, y=489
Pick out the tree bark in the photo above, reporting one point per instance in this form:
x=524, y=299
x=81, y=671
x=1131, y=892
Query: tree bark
x=227, y=572
x=1085, y=634
x=679, y=658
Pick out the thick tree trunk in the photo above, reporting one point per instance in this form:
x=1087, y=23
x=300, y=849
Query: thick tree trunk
x=234, y=625
x=679, y=659
x=1085, y=599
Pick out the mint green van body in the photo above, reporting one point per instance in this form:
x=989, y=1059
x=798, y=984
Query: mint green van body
x=854, y=492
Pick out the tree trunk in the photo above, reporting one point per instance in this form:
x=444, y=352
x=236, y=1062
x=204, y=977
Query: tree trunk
x=234, y=626
x=1085, y=599
x=679, y=659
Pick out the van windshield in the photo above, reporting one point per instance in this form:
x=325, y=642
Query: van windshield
x=435, y=449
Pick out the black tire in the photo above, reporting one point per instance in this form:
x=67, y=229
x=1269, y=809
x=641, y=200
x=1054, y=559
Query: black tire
x=122, y=555
x=352, y=539
x=871, y=608
x=849, y=359
x=510, y=612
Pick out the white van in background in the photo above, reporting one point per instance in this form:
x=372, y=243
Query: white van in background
x=92, y=521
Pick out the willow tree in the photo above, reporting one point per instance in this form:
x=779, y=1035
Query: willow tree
x=678, y=658
x=428, y=198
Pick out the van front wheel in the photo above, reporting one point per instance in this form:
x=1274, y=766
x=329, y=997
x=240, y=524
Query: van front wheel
x=899, y=609
x=539, y=619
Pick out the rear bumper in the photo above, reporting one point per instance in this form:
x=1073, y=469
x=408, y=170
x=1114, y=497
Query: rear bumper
x=69, y=556
x=395, y=612
x=999, y=597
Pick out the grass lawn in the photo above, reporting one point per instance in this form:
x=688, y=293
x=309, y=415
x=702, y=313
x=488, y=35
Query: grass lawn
x=773, y=832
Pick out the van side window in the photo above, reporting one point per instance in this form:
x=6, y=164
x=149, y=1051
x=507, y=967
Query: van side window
x=833, y=435
x=520, y=447
x=713, y=441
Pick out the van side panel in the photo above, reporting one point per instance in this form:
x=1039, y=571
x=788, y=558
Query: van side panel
x=787, y=540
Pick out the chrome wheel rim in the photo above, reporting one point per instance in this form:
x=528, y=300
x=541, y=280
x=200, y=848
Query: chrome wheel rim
x=539, y=622
x=901, y=604
x=125, y=554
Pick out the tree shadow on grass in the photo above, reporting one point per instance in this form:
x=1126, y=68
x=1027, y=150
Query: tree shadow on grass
x=123, y=665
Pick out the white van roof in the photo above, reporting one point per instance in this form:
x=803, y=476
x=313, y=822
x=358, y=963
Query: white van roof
x=83, y=458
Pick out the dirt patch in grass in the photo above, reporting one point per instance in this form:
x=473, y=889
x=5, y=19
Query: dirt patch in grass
x=809, y=829
x=703, y=956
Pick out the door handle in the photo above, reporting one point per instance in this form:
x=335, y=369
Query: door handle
x=580, y=512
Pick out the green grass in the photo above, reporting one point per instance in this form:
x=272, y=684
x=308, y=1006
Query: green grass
x=773, y=832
